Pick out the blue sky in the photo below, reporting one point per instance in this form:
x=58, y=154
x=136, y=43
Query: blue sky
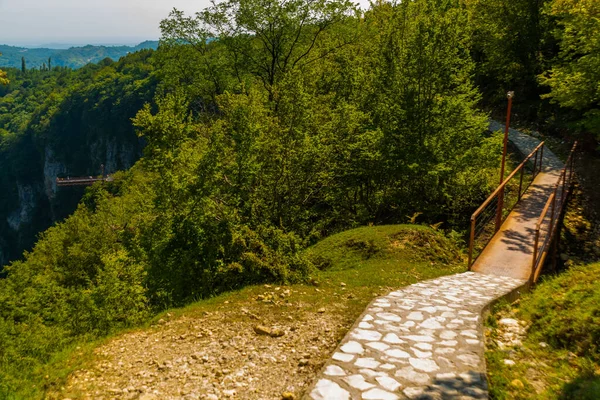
x=35, y=22
x=79, y=22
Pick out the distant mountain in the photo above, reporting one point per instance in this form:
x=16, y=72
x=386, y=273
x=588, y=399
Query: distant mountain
x=74, y=57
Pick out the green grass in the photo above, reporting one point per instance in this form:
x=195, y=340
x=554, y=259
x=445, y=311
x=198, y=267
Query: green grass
x=353, y=267
x=560, y=356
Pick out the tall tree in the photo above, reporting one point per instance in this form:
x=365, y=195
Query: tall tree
x=23, y=65
x=267, y=38
x=512, y=44
x=574, y=77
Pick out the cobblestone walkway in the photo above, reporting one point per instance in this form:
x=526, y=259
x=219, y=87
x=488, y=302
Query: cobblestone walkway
x=421, y=342
x=425, y=341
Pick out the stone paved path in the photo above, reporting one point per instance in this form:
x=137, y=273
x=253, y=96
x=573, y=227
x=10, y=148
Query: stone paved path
x=425, y=341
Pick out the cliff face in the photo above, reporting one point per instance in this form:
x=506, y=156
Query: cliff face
x=32, y=202
x=64, y=123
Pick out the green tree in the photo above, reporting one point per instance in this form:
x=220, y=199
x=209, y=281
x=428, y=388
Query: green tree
x=512, y=44
x=266, y=38
x=3, y=78
x=23, y=65
x=573, y=78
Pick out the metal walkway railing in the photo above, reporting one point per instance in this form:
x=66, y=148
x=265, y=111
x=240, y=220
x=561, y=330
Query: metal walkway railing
x=547, y=224
x=488, y=218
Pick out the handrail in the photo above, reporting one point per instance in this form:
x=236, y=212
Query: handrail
x=500, y=191
x=561, y=192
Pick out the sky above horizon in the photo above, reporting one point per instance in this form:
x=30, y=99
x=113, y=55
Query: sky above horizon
x=38, y=22
x=80, y=22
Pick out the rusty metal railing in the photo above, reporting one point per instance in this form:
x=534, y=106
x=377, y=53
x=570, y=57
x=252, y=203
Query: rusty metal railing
x=547, y=224
x=488, y=218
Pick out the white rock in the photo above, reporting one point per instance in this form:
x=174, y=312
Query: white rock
x=392, y=338
x=422, y=354
x=389, y=317
x=409, y=374
x=396, y=353
x=387, y=367
x=424, y=346
x=448, y=335
x=450, y=343
x=388, y=383
x=419, y=338
x=378, y=346
x=413, y=392
x=471, y=360
x=367, y=318
x=334, y=370
x=415, y=316
x=353, y=348
x=327, y=390
x=358, y=382
x=445, y=350
x=364, y=334
x=508, y=362
x=379, y=394
x=431, y=323
x=367, y=362
x=508, y=322
x=470, y=333
x=342, y=357
x=409, y=324
x=371, y=374
x=424, y=365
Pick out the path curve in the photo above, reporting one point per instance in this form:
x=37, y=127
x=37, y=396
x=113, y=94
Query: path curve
x=425, y=341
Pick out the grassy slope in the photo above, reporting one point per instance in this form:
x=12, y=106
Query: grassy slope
x=354, y=267
x=560, y=356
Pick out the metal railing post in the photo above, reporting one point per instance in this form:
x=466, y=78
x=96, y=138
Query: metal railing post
x=521, y=183
x=472, y=240
x=535, y=252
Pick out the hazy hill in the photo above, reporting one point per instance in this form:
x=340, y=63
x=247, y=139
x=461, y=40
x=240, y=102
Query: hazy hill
x=74, y=57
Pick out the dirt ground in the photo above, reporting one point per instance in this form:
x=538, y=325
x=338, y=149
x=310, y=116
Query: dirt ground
x=269, y=348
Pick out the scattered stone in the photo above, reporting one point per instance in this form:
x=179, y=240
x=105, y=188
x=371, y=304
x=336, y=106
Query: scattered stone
x=262, y=330
x=288, y=396
x=508, y=322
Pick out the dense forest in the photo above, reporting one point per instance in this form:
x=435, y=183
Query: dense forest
x=265, y=126
x=74, y=57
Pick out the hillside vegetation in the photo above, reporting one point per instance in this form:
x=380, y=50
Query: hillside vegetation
x=61, y=123
x=215, y=338
x=268, y=126
x=559, y=357
x=74, y=57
